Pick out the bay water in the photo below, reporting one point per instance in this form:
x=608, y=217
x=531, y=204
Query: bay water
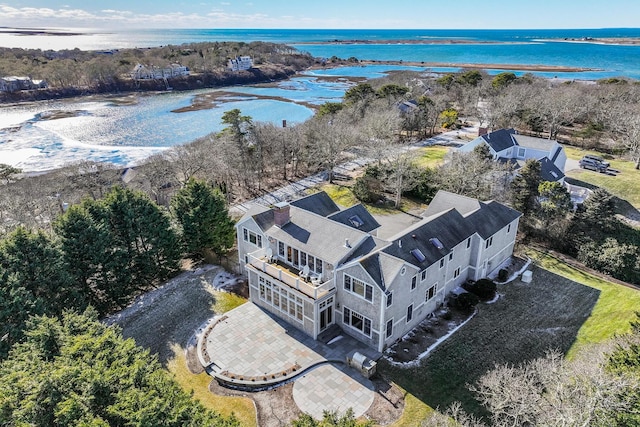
x=124, y=133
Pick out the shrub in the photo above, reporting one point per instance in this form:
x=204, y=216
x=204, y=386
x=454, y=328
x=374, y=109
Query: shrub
x=367, y=189
x=485, y=289
x=503, y=275
x=465, y=302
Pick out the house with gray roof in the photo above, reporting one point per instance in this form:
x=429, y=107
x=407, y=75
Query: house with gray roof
x=316, y=265
x=506, y=145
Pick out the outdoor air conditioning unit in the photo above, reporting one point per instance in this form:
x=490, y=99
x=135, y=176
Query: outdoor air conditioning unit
x=362, y=364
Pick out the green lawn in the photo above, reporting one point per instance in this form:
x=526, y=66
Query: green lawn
x=614, y=310
x=198, y=384
x=344, y=197
x=429, y=157
x=563, y=308
x=625, y=185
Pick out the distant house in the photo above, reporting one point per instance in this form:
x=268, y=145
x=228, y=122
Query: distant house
x=506, y=145
x=319, y=267
x=144, y=72
x=15, y=83
x=240, y=63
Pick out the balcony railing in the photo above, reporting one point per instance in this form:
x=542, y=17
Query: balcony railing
x=314, y=289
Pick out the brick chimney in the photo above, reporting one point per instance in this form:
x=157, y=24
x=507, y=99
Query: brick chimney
x=281, y=215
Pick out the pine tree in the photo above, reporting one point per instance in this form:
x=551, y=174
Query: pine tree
x=204, y=219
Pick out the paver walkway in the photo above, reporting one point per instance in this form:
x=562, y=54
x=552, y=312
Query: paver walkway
x=251, y=343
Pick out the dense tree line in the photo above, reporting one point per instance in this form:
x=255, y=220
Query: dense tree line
x=75, y=371
x=99, y=71
x=103, y=252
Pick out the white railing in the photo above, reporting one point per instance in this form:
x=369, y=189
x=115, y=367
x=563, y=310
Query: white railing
x=283, y=275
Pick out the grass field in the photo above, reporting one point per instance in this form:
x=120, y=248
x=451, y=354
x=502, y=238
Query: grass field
x=625, y=185
x=167, y=319
x=429, y=157
x=343, y=196
x=198, y=384
x=564, y=308
x=527, y=321
x=614, y=310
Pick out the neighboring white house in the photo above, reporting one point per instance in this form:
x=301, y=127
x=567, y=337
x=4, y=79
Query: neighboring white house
x=507, y=145
x=240, y=63
x=144, y=72
x=15, y=83
x=314, y=265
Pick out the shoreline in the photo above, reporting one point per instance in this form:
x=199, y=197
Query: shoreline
x=408, y=42
x=515, y=67
x=619, y=41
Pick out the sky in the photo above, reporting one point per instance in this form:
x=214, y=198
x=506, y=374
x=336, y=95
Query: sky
x=334, y=14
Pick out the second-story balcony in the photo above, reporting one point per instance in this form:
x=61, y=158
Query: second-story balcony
x=312, y=286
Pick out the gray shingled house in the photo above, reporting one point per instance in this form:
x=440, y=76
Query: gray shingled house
x=506, y=145
x=315, y=265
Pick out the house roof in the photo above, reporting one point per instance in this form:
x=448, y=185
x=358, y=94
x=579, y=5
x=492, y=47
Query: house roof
x=318, y=203
x=445, y=200
x=449, y=228
x=500, y=139
x=313, y=234
x=549, y=171
x=491, y=217
x=450, y=218
x=542, y=144
x=357, y=216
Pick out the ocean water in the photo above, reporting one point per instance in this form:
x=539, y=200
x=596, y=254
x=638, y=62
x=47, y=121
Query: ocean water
x=102, y=130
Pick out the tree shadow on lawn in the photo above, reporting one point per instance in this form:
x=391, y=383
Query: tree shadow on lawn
x=172, y=316
x=527, y=321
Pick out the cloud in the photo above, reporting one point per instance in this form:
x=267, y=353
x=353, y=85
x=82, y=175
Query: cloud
x=215, y=17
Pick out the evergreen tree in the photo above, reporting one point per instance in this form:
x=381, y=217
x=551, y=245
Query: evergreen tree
x=525, y=187
x=37, y=264
x=85, y=239
x=118, y=245
x=17, y=304
x=142, y=231
x=75, y=371
x=204, y=219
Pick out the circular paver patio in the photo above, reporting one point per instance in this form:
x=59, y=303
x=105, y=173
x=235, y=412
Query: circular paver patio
x=329, y=388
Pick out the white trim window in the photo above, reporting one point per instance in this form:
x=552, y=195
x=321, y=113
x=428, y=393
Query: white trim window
x=431, y=292
x=389, y=298
x=456, y=273
x=358, y=287
x=357, y=321
x=409, y=313
x=414, y=282
x=521, y=152
x=297, y=258
x=281, y=299
x=488, y=243
x=252, y=237
x=389, y=328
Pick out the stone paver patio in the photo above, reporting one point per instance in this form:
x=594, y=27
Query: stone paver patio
x=249, y=343
x=332, y=388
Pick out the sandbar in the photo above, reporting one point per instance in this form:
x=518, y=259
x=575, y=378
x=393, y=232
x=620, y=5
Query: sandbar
x=409, y=41
x=627, y=41
x=515, y=67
